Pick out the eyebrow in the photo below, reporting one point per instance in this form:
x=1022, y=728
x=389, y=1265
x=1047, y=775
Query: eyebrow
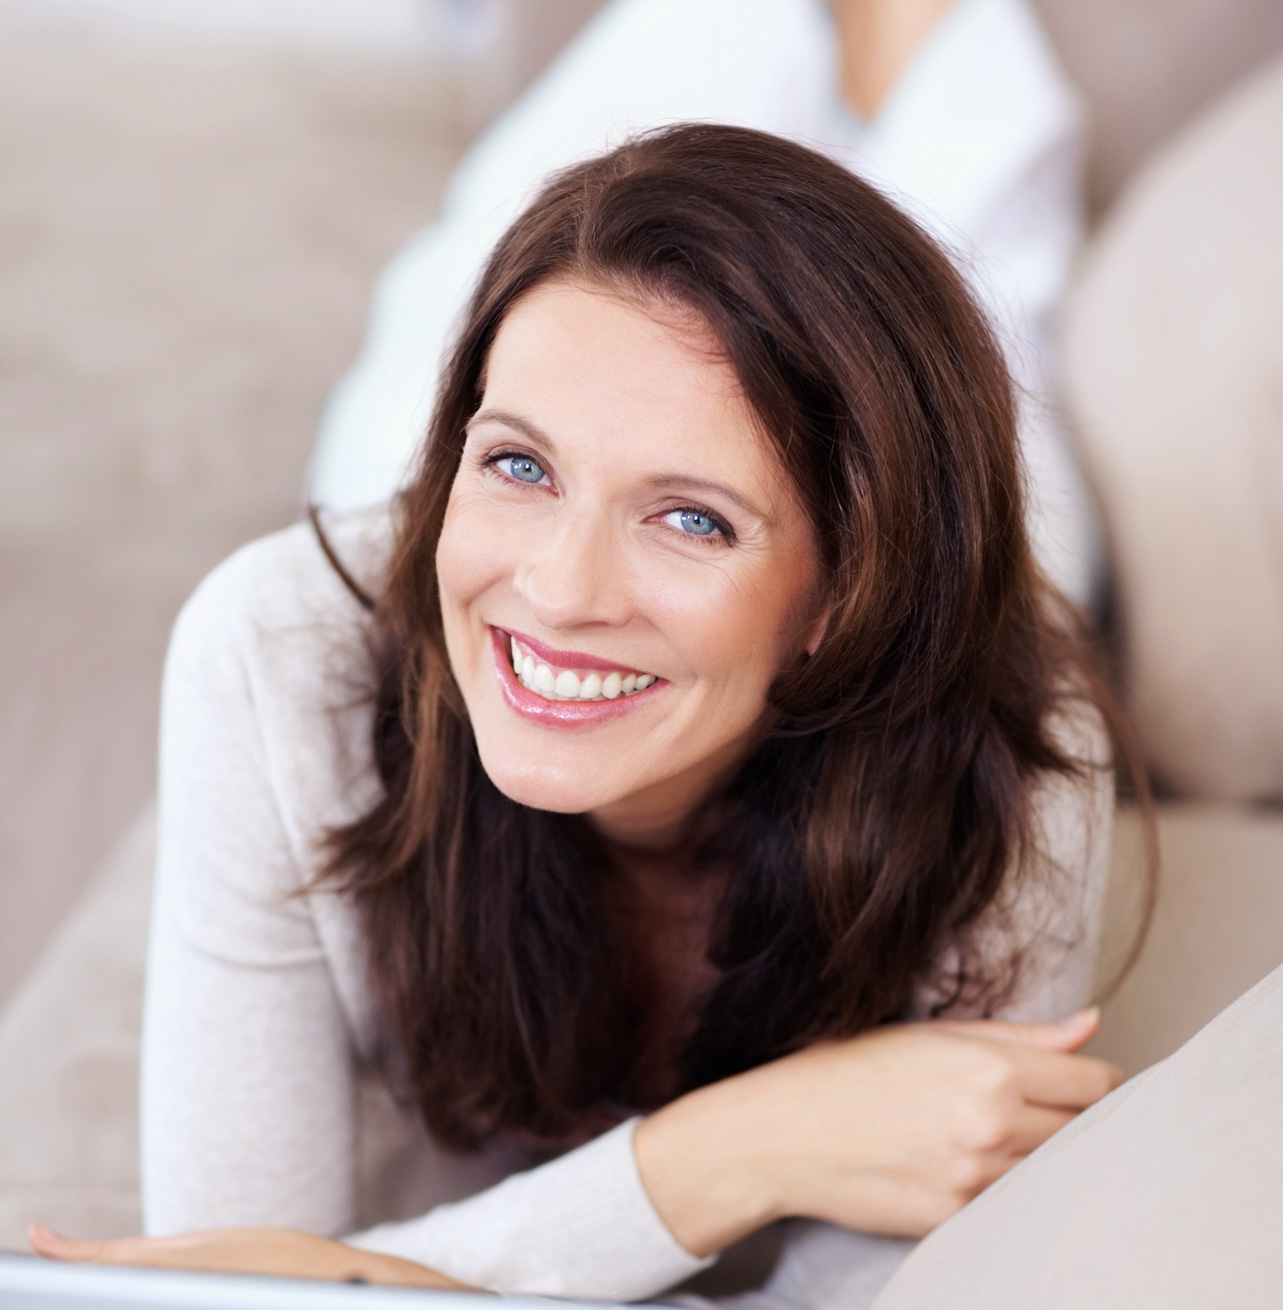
x=663, y=482
x=681, y=482
x=511, y=420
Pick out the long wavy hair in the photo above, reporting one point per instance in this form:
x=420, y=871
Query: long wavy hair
x=890, y=801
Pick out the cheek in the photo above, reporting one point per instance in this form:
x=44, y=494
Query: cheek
x=472, y=554
x=738, y=631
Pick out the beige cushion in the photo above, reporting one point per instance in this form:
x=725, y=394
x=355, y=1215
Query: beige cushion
x=1175, y=373
x=1217, y=929
x=69, y=1062
x=1166, y=1194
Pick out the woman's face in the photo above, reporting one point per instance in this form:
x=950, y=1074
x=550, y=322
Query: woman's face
x=624, y=566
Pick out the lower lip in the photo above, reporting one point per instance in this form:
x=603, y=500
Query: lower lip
x=558, y=713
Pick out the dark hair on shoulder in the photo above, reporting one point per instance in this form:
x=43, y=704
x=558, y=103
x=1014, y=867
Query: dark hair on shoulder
x=892, y=800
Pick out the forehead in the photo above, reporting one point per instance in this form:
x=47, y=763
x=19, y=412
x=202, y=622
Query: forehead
x=590, y=364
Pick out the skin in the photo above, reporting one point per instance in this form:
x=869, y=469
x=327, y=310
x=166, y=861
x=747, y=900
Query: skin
x=279, y=1252
x=877, y=41
x=889, y=1132
x=628, y=422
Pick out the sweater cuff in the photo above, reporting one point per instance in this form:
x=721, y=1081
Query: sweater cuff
x=581, y=1226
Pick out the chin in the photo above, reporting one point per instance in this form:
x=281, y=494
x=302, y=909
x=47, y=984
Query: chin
x=546, y=786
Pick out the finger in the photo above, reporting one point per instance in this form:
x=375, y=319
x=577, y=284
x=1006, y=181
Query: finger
x=391, y=1269
x=1070, y=1082
x=1068, y=1034
x=1033, y=1126
x=54, y=1246
x=43, y=1240
x=240, y=1250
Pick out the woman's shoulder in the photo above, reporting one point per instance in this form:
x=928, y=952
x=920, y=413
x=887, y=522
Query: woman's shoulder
x=273, y=650
x=269, y=679
x=280, y=599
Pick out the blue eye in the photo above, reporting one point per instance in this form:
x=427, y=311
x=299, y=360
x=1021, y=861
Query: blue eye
x=524, y=469
x=697, y=524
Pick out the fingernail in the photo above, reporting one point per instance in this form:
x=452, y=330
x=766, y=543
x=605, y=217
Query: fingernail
x=1081, y=1018
x=42, y=1234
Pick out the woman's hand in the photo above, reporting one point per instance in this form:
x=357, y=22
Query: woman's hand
x=889, y=1132
x=281, y=1252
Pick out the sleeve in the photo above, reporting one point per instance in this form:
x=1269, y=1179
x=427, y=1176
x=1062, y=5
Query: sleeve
x=247, y=1082
x=1052, y=914
x=581, y=1226
x=1060, y=914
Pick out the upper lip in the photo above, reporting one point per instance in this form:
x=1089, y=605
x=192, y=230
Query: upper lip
x=567, y=659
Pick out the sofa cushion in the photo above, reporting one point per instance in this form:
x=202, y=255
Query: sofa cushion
x=1217, y=928
x=1174, y=359
x=69, y=1054
x=1165, y=1193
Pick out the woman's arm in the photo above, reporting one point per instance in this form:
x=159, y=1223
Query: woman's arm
x=582, y=1225
x=247, y=1088
x=890, y=1132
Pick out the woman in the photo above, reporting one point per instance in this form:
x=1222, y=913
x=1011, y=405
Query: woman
x=657, y=791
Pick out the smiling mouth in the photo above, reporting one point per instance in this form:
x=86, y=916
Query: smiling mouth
x=555, y=682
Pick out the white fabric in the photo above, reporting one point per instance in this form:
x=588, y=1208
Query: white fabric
x=981, y=140
x=257, y=1017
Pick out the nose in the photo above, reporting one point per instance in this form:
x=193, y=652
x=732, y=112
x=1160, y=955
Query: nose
x=568, y=578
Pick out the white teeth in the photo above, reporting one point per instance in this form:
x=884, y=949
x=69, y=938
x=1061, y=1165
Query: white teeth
x=567, y=685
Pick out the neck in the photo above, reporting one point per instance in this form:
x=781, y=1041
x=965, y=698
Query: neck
x=663, y=817
x=649, y=831
x=877, y=41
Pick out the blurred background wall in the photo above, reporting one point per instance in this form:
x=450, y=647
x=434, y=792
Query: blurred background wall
x=195, y=196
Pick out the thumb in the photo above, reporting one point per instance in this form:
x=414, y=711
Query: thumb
x=1068, y=1034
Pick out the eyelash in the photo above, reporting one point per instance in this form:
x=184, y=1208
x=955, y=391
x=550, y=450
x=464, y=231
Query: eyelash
x=724, y=533
x=492, y=461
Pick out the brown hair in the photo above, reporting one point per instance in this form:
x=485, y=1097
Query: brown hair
x=891, y=798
